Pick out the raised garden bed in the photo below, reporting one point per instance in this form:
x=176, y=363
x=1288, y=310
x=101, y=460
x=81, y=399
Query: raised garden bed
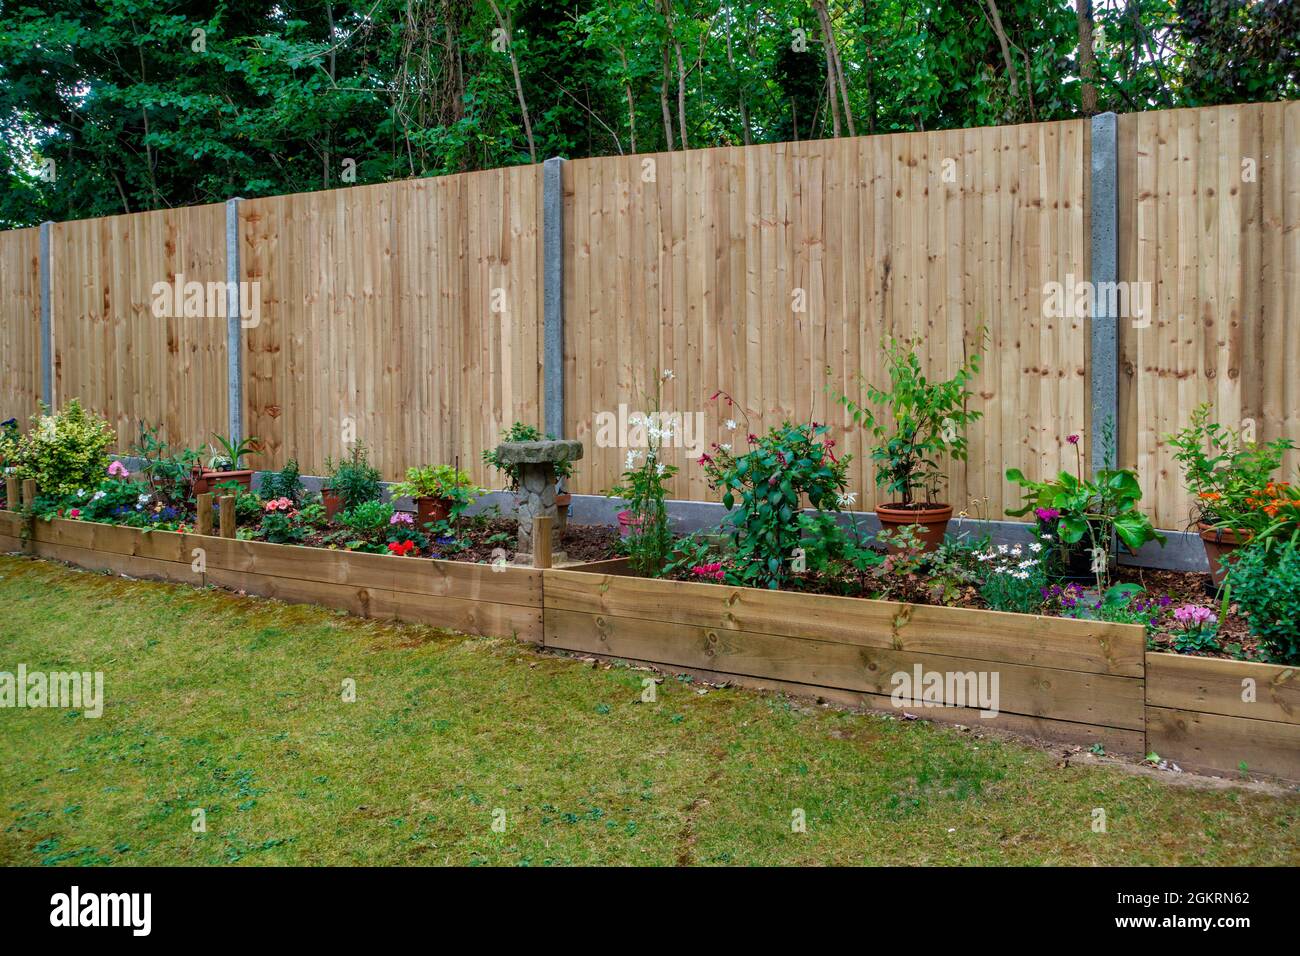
x=473, y=598
x=1086, y=682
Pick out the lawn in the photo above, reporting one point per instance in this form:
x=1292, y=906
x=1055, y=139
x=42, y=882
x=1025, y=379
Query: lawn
x=235, y=705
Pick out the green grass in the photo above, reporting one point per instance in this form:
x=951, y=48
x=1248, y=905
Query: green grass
x=234, y=705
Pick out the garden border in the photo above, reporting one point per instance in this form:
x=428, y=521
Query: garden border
x=1083, y=682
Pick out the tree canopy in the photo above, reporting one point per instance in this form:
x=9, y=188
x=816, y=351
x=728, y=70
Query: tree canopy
x=111, y=106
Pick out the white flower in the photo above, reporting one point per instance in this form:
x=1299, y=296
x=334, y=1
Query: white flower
x=1035, y=547
x=846, y=499
x=659, y=470
x=1025, y=564
x=142, y=500
x=97, y=495
x=80, y=493
x=725, y=446
x=1021, y=575
x=668, y=375
x=1002, y=549
x=729, y=424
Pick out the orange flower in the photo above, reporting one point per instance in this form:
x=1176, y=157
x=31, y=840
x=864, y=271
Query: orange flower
x=1209, y=496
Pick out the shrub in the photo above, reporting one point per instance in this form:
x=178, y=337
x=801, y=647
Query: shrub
x=1221, y=469
x=926, y=420
x=285, y=483
x=764, y=492
x=65, y=452
x=168, y=472
x=368, y=522
x=438, y=481
x=1265, y=583
x=354, y=479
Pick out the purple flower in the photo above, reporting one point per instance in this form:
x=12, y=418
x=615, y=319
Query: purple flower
x=1046, y=514
x=1072, y=439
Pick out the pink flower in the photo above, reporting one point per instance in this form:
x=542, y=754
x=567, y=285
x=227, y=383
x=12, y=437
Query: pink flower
x=74, y=513
x=118, y=470
x=713, y=571
x=1046, y=514
x=279, y=504
x=402, y=517
x=1194, y=616
x=1072, y=439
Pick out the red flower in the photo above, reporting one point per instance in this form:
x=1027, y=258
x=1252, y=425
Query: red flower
x=403, y=549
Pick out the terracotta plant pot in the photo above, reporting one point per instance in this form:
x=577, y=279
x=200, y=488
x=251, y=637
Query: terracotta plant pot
x=429, y=510
x=205, y=480
x=933, y=521
x=562, y=501
x=1220, y=543
x=628, y=524
x=332, y=502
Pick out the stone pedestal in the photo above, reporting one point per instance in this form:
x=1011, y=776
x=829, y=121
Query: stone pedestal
x=537, y=461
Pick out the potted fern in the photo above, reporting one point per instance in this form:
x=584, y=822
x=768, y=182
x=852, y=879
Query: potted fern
x=925, y=421
x=440, y=492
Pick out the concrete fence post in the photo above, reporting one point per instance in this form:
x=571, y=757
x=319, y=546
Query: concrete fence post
x=234, y=330
x=1103, y=370
x=553, y=296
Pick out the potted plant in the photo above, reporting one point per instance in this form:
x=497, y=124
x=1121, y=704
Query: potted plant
x=1225, y=473
x=563, y=469
x=1083, y=516
x=440, y=492
x=352, y=481
x=223, y=466
x=926, y=420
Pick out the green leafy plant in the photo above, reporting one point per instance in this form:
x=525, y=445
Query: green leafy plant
x=169, y=472
x=1221, y=469
x=925, y=422
x=285, y=483
x=765, y=492
x=1265, y=583
x=438, y=481
x=353, y=479
x=520, y=431
x=230, y=456
x=64, y=452
x=1016, y=577
x=1080, y=511
x=368, y=523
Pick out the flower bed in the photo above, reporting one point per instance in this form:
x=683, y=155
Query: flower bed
x=1083, y=681
x=493, y=600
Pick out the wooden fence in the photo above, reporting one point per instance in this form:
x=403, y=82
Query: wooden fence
x=409, y=315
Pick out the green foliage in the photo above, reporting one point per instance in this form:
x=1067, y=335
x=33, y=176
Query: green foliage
x=765, y=492
x=366, y=526
x=229, y=458
x=1221, y=469
x=64, y=452
x=1265, y=583
x=168, y=471
x=353, y=479
x=926, y=421
x=438, y=481
x=285, y=483
x=136, y=117
x=1089, y=510
x=522, y=432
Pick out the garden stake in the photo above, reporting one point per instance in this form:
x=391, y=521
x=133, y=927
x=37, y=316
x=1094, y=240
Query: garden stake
x=11, y=493
x=29, y=492
x=227, y=516
x=542, y=540
x=203, y=523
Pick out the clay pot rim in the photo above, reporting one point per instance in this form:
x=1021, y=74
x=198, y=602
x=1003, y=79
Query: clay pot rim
x=1208, y=532
x=919, y=514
